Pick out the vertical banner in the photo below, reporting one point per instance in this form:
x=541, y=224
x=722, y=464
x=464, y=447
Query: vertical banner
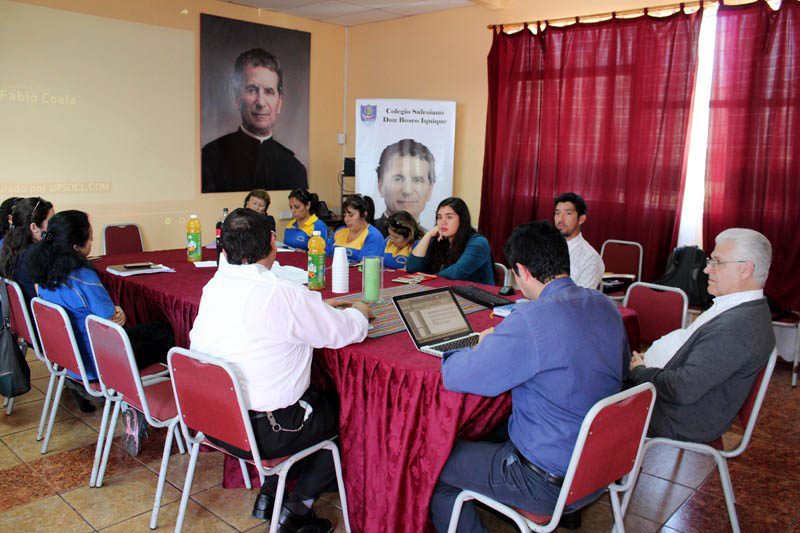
x=404, y=155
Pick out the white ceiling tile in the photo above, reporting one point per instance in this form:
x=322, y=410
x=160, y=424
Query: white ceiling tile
x=325, y=10
x=426, y=6
x=363, y=17
x=275, y=5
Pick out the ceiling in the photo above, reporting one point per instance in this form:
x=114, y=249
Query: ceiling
x=353, y=12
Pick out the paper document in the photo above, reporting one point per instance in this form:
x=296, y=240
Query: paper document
x=119, y=270
x=205, y=264
x=290, y=273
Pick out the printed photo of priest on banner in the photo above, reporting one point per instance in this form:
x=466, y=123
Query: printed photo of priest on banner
x=404, y=156
x=255, y=91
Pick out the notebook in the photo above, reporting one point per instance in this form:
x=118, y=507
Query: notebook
x=435, y=321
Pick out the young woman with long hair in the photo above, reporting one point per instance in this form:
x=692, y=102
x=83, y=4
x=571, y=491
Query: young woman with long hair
x=29, y=219
x=404, y=234
x=305, y=222
x=452, y=248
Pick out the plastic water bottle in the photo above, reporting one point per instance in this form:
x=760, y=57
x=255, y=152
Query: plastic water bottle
x=194, y=247
x=219, y=232
x=316, y=262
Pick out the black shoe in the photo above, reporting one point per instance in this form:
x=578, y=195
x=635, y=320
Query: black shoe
x=570, y=520
x=291, y=522
x=264, y=505
x=83, y=404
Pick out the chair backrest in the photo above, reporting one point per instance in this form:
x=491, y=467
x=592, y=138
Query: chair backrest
x=114, y=360
x=501, y=275
x=661, y=309
x=748, y=413
x=56, y=337
x=210, y=400
x=622, y=257
x=123, y=239
x=20, y=319
x=609, y=443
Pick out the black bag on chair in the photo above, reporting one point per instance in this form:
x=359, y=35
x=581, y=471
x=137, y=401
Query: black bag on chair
x=15, y=374
x=685, y=271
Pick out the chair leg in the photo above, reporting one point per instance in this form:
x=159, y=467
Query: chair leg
x=455, y=515
x=245, y=474
x=53, y=412
x=796, y=364
x=46, y=405
x=112, y=426
x=187, y=486
x=179, y=441
x=9, y=405
x=162, y=474
x=276, y=511
x=619, y=519
x=98, y=453
x=337, y=464
x=727, y=489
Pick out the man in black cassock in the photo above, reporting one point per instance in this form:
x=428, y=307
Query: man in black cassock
x=250, y=158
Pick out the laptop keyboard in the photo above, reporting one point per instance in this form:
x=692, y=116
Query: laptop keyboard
x=458, y=344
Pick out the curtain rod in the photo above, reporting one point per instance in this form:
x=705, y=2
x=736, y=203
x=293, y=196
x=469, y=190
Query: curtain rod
x=610, y=14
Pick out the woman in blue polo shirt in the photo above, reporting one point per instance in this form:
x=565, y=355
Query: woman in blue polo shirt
x=404, y=233
x=358, y=235
x=304, y=220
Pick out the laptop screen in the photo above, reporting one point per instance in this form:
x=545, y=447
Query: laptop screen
x=432, y=316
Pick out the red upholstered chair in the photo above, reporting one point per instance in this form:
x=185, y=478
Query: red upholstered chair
x=61, y=354
x=22, y=328
x=123, y=239
x=502, y=276
x=661, y=309
x=609, y=448
x=210, y=403
x=120, y=380
x=622, y=258
x=748, y=414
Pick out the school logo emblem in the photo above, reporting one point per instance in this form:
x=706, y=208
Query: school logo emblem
x=369, y=113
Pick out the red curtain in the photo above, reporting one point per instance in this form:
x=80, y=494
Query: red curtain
x=753, y=170
x=600, y=109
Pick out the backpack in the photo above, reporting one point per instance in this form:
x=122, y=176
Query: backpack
x=15, y=374
x=685, y=271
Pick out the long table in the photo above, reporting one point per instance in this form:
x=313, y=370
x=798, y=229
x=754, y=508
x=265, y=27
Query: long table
x=397, y=422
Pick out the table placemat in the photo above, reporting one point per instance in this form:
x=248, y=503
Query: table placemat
x=387, y=321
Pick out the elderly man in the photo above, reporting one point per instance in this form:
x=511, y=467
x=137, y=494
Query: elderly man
x=266, y=329
x=704, y=373
x=555, y=371
x=585, y=264
x=250, y=158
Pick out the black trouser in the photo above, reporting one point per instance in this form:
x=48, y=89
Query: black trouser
x=316, y=473
x=150, y=342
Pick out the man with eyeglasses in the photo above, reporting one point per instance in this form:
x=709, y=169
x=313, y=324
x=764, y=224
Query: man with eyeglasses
x=703, y=373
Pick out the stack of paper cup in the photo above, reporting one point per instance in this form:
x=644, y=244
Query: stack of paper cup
x=340, y=274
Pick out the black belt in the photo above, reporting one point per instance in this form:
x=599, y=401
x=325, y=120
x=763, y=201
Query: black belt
x=550, y=478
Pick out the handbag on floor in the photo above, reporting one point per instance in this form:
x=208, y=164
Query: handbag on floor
x=15, y=374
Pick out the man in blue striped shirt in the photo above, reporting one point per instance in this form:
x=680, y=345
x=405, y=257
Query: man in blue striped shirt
x=558, y=354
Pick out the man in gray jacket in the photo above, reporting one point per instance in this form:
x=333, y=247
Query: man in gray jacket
x=708, y=369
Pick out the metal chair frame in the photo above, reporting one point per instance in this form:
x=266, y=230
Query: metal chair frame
x=280, y=469
x=627, y=243
x=721, y=456
x=626, y=486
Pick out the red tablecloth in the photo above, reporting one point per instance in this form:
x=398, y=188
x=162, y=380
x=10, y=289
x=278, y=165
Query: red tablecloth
x=397, y=423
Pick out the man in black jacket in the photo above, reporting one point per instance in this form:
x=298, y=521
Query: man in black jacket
x=704, y=373
x=250, y=158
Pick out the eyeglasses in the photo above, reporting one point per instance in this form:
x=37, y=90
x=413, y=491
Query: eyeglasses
x=714, y=263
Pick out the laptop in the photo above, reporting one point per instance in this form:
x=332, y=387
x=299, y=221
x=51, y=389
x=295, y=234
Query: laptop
x=435, y=321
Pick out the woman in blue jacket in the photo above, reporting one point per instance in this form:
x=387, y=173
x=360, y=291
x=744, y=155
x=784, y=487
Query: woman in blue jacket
x=358, y=235
x=303, y=205
x=452, y=248
x=404, y=234
x=59, y=266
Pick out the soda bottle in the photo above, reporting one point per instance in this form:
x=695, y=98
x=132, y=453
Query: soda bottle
x=316, y=262
x=194, y=247
x=219, y=232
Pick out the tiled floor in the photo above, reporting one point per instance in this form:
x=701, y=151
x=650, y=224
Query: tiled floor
x=677, y=491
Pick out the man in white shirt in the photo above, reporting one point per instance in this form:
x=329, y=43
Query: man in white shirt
x=266, y=328
x=585, y=265
x=704, y=373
